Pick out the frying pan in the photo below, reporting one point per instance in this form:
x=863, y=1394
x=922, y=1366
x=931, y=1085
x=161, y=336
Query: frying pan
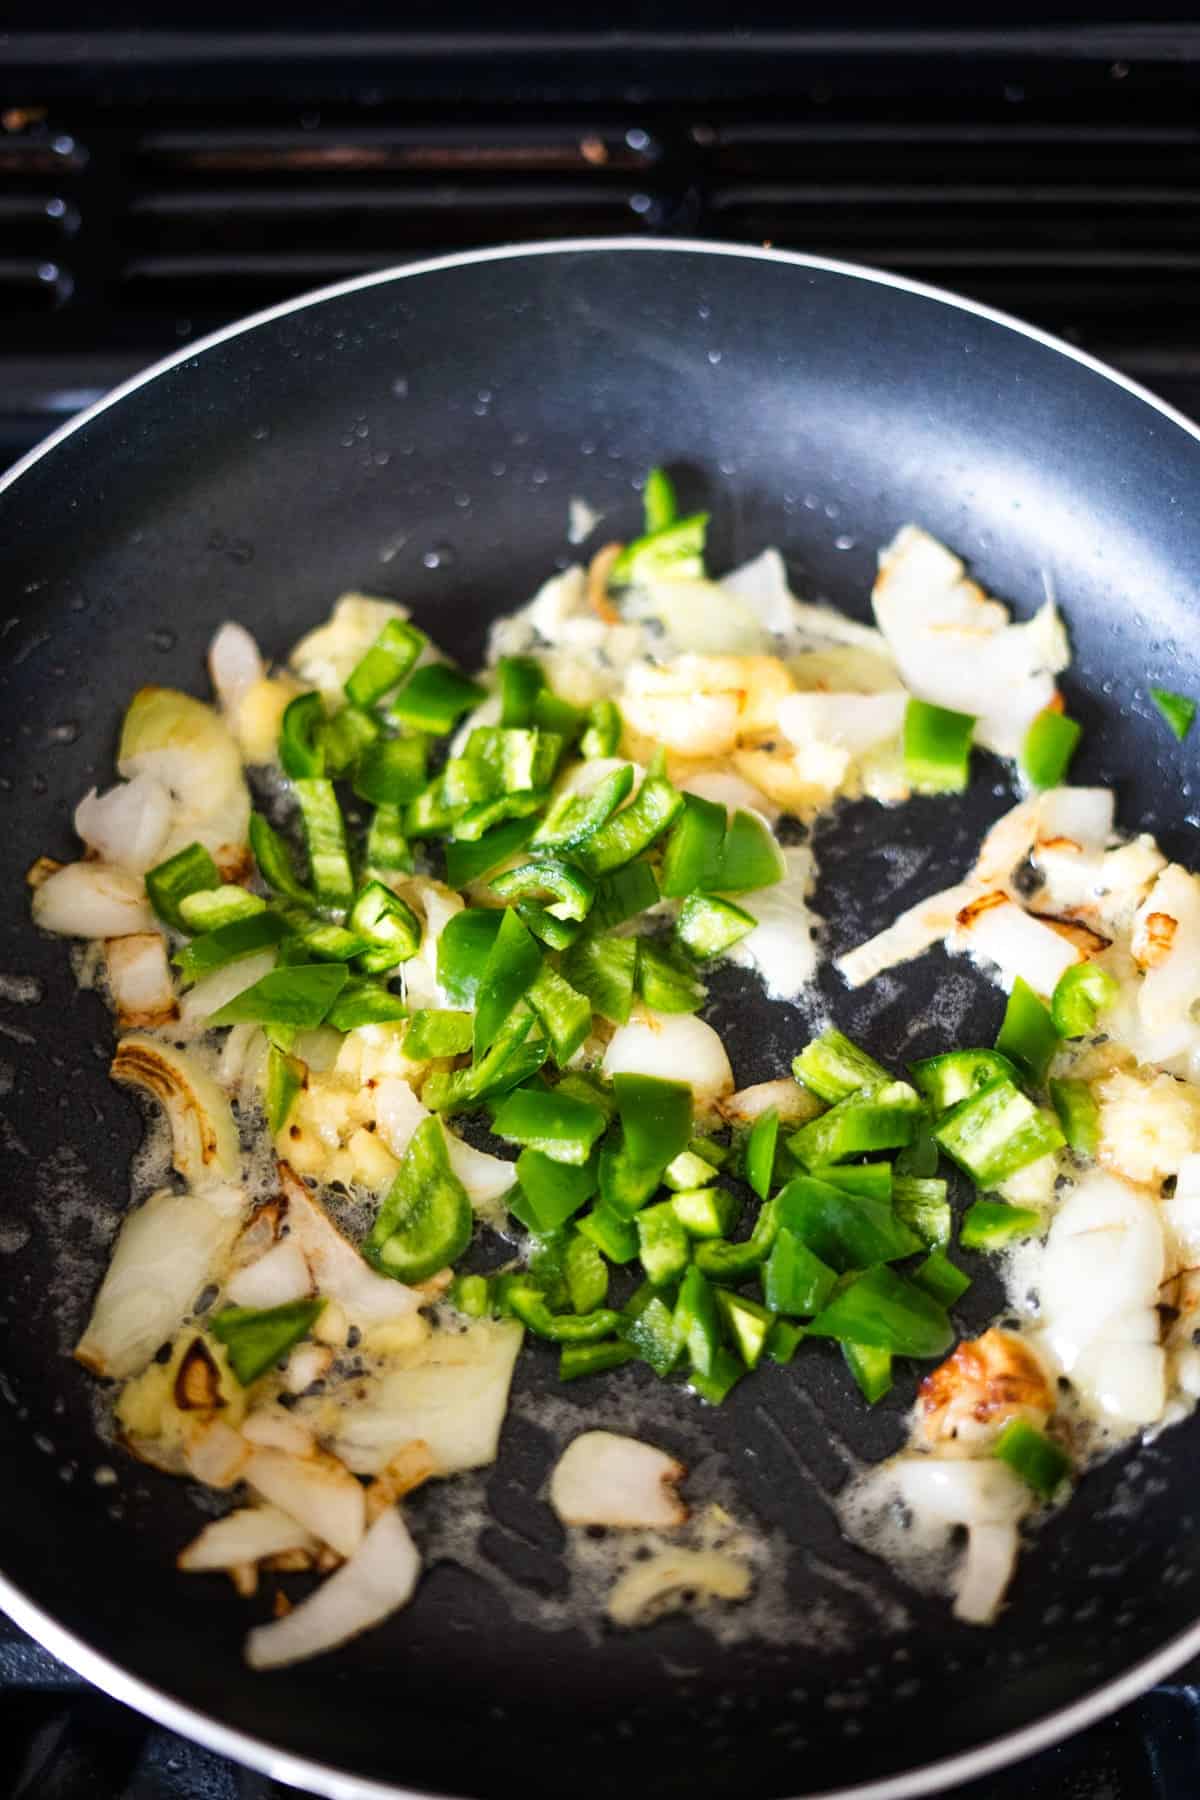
x=421, y=434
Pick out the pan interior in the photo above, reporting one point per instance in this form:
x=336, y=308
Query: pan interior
x=422, y=438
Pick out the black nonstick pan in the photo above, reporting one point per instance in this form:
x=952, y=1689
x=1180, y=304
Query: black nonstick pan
x=420, y=434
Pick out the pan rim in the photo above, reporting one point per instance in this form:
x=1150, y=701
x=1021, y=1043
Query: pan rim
x=290, y=1767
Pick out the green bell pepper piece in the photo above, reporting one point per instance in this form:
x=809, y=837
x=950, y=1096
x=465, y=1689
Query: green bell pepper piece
x=562, y=1128
x=996, y=1132
x=794, y=1280
x=257, y=1338
x=1084, y=991
x=189, y=871
x=301, y=749
x=578, y=1360
x=1050, y=743
x=833, y=1067
x=663, y=1243
x=884, y=1311
x=1029, y=1035
x=424, y=1220
x=1075, y=1105
x=847, y=1231
x=993, y=1225
x=937, y=748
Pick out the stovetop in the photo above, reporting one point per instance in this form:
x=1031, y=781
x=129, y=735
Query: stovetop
x=156, y=184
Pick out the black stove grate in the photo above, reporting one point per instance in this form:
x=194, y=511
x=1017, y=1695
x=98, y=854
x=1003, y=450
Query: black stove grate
x=1056, y=175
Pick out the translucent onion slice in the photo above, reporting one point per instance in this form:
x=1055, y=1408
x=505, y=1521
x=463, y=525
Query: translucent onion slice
x=377, y=1581
x=128, y=825
x=203, y=1134
x=317, y=1491
x=338, y=1270
x=92, y=900
x=455, y=1399
x=604, y=1478
x=163, y=1257
x=914, y=932
x=245, y=1535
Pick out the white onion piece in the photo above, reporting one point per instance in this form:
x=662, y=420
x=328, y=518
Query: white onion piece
x=914, y=932
x=1098, y=1280
x=275, y=1429
x=955, y=1491
x=1181, y=1217
x=985, y=1572
x=377, y=1581
x=317, y=1491
x=92, y=900
x=762, y=585
x=188, y=747
x=164, y=1254
x=204, y=1137
x=306, y=1364
x=1125, y=1383
x=242, y=1062
x=794, y=1104
x=689, y=724
x=957, y=647
x=209, y=995
x=1016, y=942
x=1085, y=815
x=246, y=1535
x=854, y=722
x=213, y=1452
x=139, y=979
x=781, y=944
x=398, y=1112
x=675, y=1047
x=455, y=1399
x=650, y=1588
x=706, y=616
x=485, y=1177
x=128, y=825
x=603, y=1478
x=235, y=665
x=338, y=1270
x=439, y=904
x=1173, y=983
x=279, y=1276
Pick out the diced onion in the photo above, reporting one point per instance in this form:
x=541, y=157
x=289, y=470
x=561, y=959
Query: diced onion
x=603, y=1478
x=139, y=979
x=279, y=1276
x=378, y=1579
x=92, y=900
x=128, y=825
x=326, y=656
x=675, y=1047
x=1085, y=815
